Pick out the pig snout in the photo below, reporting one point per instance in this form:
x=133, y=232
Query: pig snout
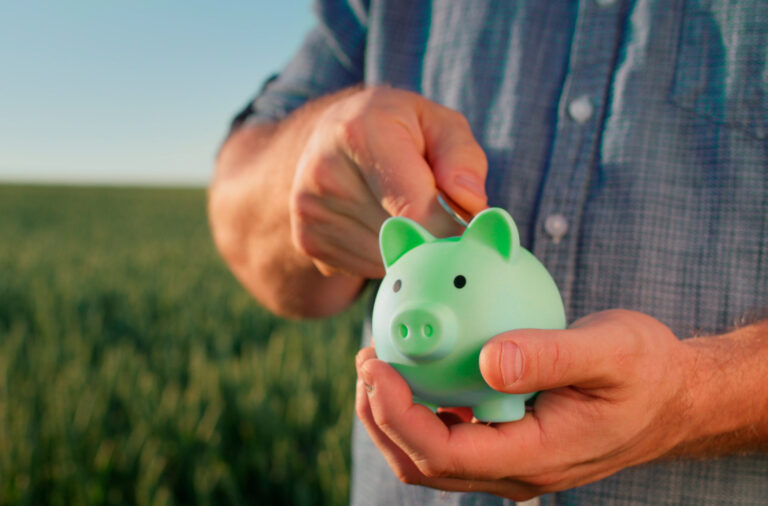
x=425, y=331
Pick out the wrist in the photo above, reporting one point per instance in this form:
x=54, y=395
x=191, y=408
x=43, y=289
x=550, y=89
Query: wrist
x=727, y=389
x=249, y=217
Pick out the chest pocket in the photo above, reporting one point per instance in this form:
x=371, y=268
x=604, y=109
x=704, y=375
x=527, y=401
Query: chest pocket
x=721, y=70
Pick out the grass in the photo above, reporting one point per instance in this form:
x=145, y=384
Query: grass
x=135, y=370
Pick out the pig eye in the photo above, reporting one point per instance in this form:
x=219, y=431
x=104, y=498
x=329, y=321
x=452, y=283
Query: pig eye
x=459, y=281
x=397, y=285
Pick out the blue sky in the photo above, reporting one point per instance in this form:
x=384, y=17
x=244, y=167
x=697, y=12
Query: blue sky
x=132, y=92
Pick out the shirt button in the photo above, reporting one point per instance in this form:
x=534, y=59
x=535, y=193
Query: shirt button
x=581, y=109
x=556, y=226
x=605, y=3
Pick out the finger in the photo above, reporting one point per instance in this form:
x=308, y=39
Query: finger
x=326, y=269
x=364, y=354
x=457, y=160
x=367, y=213
x=332, y=182
x=345, y=192
x=340, y=262
x=346, y=222
x=336, y=242
x=408, y=472
x=393, y=410
x=528, y=360
x=404, y=184
x=388, y=146
x=392, y=407
x=352, y=237
x=439, y=223
x=461, y=450
x=388, y=143
x=387, y=149
x=332, y=255
x=398, y=461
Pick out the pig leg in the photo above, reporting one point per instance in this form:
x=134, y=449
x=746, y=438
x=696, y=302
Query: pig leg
x=501, y=408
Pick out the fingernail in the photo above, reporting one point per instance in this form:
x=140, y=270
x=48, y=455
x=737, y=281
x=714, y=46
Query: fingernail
x=511, y=363
x=365, y=375
x=361, y=383
x=471, y=183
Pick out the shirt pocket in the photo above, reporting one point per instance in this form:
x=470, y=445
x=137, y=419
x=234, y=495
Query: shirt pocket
x=721, y=70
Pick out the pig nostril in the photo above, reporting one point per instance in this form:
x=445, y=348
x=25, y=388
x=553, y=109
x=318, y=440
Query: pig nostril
x=427, y=330
x=403, y=331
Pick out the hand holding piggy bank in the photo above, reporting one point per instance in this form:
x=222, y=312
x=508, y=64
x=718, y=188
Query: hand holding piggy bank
x=442, y=299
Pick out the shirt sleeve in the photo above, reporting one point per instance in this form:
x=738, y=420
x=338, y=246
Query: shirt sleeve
x=330, y=58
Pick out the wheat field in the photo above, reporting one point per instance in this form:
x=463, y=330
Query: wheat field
x=135, y=370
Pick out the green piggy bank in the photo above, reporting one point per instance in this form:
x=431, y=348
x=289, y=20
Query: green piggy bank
x=442, y=299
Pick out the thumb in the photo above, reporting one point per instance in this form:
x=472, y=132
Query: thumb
x=528, y=360
x=457, y=160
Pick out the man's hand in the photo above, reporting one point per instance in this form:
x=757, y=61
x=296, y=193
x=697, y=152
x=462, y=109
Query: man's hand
x=296, y=206
x=618, y=389
x=377, y=153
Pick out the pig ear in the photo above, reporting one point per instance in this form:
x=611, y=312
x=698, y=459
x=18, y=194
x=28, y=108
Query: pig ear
x=495, y=228
x=400, y=235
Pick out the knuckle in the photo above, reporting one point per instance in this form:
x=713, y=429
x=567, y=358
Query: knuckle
x=353, y=133
x=360, y=409
x=316, y=168
x=384, y=423
x=324, y=176
x=458, y=119
x=547, y=482
x=481, y=164
x=302, y=234
x=362, y=355
x=625, y=319
x=303, y=208
x=408, y=208
x=409, y=478
x=352, y=129
x=327, y=269
x=557, y=360
x=550, y=362
x=430, y=468
x=399, y=206
x=633, y=343
x=306, y=243
x=459, y=123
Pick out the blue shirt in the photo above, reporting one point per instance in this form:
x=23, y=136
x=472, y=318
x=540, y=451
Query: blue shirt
x=629, y=141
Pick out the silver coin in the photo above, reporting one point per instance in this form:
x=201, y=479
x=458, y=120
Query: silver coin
x=443, y=200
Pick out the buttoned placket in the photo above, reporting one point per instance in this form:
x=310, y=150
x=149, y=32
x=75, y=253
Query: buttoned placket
x=574, y=154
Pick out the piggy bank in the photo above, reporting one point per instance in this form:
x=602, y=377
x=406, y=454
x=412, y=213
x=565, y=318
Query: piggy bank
x=442, y=299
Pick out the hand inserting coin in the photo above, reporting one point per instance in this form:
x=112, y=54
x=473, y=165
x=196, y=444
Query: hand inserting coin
x=461, y=215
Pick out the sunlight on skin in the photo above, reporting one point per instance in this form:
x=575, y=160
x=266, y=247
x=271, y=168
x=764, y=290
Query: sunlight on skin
x=610, y=400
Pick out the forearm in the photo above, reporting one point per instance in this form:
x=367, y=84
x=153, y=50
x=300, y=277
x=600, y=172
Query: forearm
x=728, y=393
x=249, y=215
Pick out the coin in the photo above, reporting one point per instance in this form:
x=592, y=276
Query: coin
x=462, y=216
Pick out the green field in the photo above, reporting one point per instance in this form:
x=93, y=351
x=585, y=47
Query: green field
x=135, y=370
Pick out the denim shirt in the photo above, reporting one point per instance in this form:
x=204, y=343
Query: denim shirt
x=629, y=141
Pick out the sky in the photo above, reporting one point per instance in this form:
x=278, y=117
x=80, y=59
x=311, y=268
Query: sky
x=140, y=92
